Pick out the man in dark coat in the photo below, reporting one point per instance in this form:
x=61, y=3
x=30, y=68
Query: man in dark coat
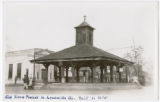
x=25, y=81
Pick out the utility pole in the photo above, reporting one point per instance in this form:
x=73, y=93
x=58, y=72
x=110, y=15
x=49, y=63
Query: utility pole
x=34, y=78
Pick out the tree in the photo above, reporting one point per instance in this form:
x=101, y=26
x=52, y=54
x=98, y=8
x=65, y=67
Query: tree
x=135, y=56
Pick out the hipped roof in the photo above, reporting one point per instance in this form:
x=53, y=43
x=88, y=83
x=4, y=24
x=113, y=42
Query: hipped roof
x=84, y=24
x=81, y=51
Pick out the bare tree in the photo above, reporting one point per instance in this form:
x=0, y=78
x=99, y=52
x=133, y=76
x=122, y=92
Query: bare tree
x=135, y=56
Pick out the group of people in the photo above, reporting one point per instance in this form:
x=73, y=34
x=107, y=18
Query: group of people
x=27, y=82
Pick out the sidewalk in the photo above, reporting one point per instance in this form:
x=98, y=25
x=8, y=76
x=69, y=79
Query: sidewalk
x=70, y=87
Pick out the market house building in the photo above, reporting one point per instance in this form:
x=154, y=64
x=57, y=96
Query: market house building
x=87, y=63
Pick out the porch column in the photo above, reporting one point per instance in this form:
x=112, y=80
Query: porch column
x=92, y=74
x=120, y=79
x=59, y=74
x=62, y=75
x=108, y=74
x=67, y=74
x=105, y=73
x=55, y=73
x=93, y=68
x=117, y=74
x=111, y=73
x=46, y=67
x=101, y=77
x=77, y=71
x=73, y=74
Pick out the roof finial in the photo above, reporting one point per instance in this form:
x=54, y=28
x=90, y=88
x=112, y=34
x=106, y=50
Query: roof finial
x=84, y=18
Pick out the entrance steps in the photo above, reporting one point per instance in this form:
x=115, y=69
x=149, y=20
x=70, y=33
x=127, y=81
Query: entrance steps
x=89, y=86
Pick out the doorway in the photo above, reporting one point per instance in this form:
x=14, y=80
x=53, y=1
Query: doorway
x=44, y=75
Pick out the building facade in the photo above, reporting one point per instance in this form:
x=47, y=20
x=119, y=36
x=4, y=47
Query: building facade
x=18, y=64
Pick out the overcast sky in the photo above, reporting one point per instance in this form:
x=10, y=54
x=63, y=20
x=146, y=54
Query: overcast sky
x=51, y=25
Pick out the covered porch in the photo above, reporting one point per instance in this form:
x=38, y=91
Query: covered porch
x=87, y=70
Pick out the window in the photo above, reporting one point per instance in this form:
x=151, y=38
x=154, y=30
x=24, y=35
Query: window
x=90, y=36
x=84, y=38
x=10, y=71
x=50, y=75
x=37, y=75
x=19, y=65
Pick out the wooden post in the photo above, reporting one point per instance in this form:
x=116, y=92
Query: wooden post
x=111, y=73
x=92, y=74
x=105, y=73
x=117, y=74
x=73, y=74
x=59, y=73
x=34, y=66
x=73, y=71
x=62, y=75
x=93, y=68
x=101, y=67
x=55, y=73
x=67, y=74
x=46, y=68
x=120, y=79
x=46, y=74
x=77, y=71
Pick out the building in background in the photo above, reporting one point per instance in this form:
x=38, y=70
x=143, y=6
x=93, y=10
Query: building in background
x=18, y=64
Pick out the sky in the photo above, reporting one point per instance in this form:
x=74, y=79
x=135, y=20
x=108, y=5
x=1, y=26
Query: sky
x=50, y=25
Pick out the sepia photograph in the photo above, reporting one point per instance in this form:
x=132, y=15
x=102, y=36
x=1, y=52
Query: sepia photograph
x=90, y=50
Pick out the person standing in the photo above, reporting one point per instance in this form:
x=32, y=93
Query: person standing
x=30, y=86
x=15, y=80
x=25, y=81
